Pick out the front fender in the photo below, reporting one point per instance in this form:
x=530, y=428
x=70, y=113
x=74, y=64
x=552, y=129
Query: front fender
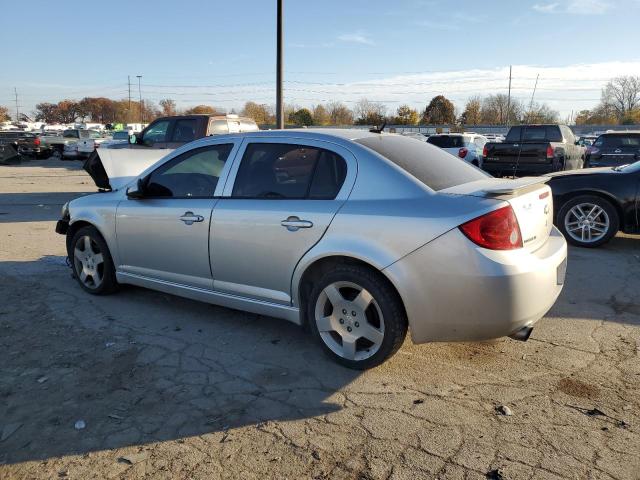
x=100, y=213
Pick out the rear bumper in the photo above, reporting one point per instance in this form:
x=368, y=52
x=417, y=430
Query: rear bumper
x=455, y=291
x=523, y=169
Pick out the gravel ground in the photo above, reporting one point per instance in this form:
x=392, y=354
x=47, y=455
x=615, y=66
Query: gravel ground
x=169, y=388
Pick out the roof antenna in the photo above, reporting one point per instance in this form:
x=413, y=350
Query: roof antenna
x=378, y=130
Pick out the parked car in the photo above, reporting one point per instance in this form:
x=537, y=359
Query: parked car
x=11, y=137
x=57, y=143
x=593, y=204
x=586, y=140
x=117, y=138
x=468, y=146
x=534, y=150
x=30, y=144
x=358, y=235
x=614, y=148
x=494, y=137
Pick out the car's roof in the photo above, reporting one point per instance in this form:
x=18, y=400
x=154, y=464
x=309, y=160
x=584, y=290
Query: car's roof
x=634, y=132
x=339, y=133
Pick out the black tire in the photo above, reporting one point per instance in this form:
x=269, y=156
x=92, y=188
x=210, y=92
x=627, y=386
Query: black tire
x=390, y=304
x=609, y=209
x=109, y=283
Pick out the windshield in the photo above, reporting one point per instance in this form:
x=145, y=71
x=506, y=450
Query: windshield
x=433, y=167
x=447, y=141
x=534, y=133
x=618, y=140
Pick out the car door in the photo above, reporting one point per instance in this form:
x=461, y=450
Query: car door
x=165, y=234
x=281, y=196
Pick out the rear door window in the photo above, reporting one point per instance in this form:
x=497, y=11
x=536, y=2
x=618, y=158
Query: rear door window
x=284, y=171
x=184, y=131
x=435, y=168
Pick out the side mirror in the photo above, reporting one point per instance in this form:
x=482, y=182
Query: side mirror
x=133, y=139
x=136, y=192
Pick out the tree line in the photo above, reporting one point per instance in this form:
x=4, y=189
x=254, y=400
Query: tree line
x=619, y=104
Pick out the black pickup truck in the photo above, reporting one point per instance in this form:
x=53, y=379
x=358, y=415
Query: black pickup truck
x=534, y=150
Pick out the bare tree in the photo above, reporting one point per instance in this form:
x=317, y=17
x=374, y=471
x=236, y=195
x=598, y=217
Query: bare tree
x=471, y=114
x=4, y=114
x=622, y=94
x=369, y=113
x=168, y=107
x=339, y=114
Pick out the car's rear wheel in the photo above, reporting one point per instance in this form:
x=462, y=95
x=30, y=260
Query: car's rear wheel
x=357, y=316
x=92, y=263
x=588, y=221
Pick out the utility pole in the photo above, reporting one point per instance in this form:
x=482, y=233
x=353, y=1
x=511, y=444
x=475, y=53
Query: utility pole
x=509, y=97
x=129, y=82
x=140, y=94
x=279, y=70
x=15, y=90
x=533, y=94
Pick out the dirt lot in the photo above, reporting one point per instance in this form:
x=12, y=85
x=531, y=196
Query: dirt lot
x=170, y=388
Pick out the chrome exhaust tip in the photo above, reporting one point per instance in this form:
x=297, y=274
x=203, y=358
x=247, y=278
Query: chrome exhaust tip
x=522, y=335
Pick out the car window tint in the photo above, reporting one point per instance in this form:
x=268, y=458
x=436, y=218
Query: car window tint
x=184, y=131
x=615, y=141
x=534, y=133
x=192, y=174
x=273, y=170
x=446, y=141
x=156, y=133
x=328, y=177
x=435, y=168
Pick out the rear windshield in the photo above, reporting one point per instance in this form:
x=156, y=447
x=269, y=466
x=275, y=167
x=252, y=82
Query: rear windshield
x=447, y=141
x=433, y=167
x=534, y=133
x=628, y=140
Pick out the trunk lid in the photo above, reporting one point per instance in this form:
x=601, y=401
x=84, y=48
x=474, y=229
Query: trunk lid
x=508, y=152
x=112, y=169
x=529, y=197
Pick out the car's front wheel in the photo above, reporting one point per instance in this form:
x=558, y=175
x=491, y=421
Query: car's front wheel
x=588, y=221
x=92, y=263
x=357, y=316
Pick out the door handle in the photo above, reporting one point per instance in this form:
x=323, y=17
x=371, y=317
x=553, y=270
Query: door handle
x=189, y=218
x=294, y=223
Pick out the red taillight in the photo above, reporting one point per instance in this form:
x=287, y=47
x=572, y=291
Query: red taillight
x=463, y=152
x=550, y=152
x=36, y=142
x=497, y=230
x=485, y=152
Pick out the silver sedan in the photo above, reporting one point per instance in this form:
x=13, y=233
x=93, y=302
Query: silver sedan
x=360, y=236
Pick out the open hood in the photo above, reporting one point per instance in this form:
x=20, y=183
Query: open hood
x=112, y=169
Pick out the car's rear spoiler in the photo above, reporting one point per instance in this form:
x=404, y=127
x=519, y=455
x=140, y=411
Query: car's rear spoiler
x=514, y=186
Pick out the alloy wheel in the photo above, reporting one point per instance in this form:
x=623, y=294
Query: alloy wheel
x=587, y=222
x=88, y=262
x=349, y=320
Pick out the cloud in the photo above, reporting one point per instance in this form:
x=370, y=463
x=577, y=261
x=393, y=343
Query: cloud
x=547, y=7
x=356, y=37
x=574, y=7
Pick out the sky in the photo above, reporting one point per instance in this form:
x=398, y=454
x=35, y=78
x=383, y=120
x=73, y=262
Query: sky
x=222, y=53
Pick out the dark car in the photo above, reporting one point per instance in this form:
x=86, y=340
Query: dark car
x=613, y=149
x=592, y=205
x=534, y=150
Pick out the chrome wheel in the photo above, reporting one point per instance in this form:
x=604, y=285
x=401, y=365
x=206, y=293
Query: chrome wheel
x=88, y=262
x=349, y=321
x=587, y=222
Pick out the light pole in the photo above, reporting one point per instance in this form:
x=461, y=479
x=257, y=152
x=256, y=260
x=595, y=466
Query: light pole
x=140, y=94
x=279, y=70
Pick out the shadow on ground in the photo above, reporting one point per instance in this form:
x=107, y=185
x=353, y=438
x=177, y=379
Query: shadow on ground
x=141, y=367
x=34, y=207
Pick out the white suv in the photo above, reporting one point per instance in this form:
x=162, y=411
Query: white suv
x=467, y=146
